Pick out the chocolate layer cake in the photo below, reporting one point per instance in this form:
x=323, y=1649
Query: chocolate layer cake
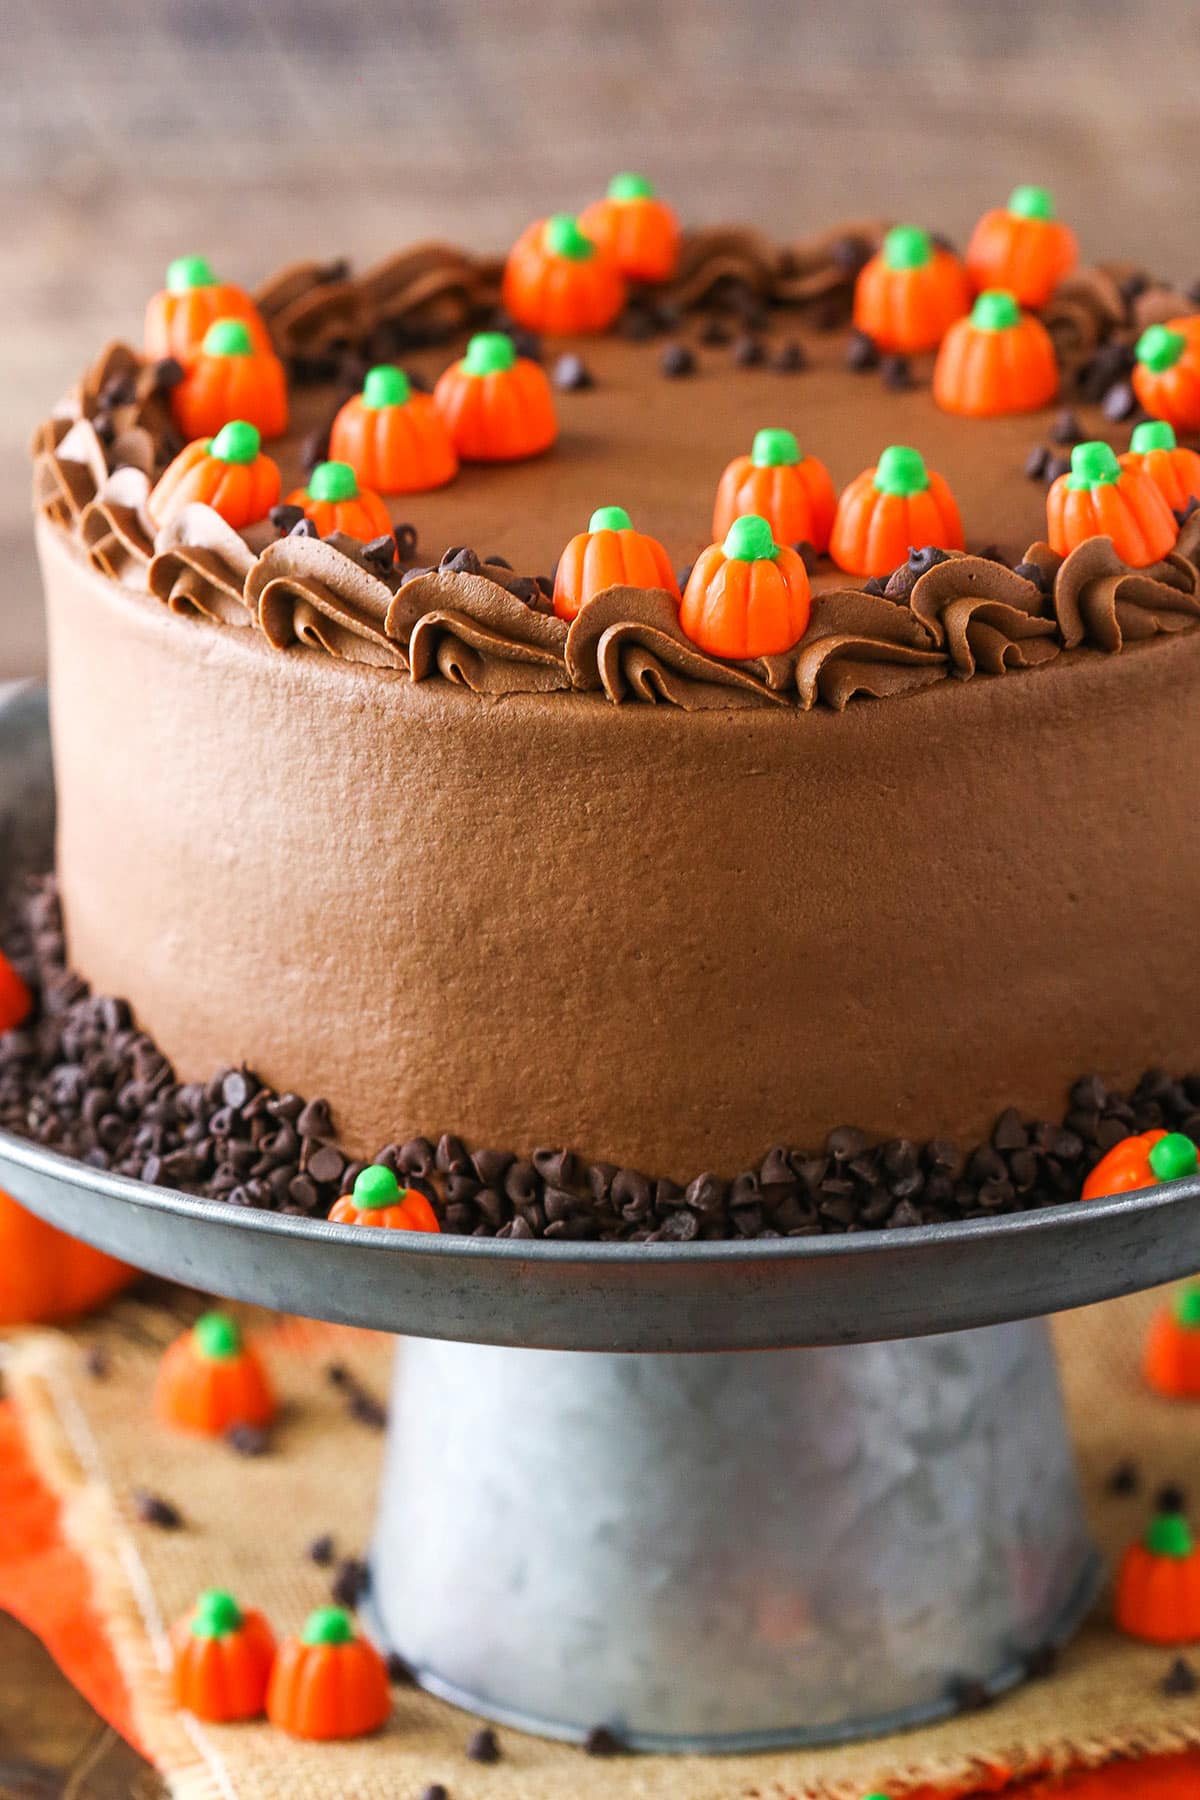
x=376, y=822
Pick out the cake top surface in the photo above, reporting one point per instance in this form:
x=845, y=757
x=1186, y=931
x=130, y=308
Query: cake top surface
x=500, y=564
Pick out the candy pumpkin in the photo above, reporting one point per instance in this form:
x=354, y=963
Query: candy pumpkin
x=559, y=280
x=1022, y=247
x=1166, y=374
x=1174, y=470
x=16, y=1002
x=394, y=439
x=227, y=378
x=748, y=596
x=1158, y=1584
x=1098, y=498
x=610, y=553
x=328, y=1682
x=888, y=509
x=793, y=493
x=1141, y=1161
x=229, y=472
x=910, y=292
x=1172, y=1359
x=378, y=1199
x=45, y=1275
x=497, y=405
x=996, y=360
x=210, y=1379
x=334, y=501
x=221, y=1660
x=193, y=299
x=639, y=231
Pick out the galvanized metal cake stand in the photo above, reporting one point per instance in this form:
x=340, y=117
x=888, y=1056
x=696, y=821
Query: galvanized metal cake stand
x=713, y=1496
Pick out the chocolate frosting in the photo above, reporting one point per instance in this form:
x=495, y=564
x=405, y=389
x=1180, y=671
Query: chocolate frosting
x=471, y=631
x=1100, y=600
x=201, y=566
x=984, y=615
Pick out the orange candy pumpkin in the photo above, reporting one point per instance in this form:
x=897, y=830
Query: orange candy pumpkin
x=1129, y=1165
x=1101, y=499
x=227, y=378
x=210, y=1379
x=559, y=280
x=497, y=405
x=1172, y=1358
x=793, y=493
x=1174, y=470
x=229, y=472
x=1022, y=247
x=334, y=501
x=221, y=1660
x=885, y=511
x=1158, y=1584
x=910, y=292
x=748, y=596
x=378, y=1199
x=193, y=299
x=610, y=553
x=394, y=439
x=996, y=360
x=638, y=230
x=1166, y=374
x=45, y=1275
x=16, y=1002
x=328, y=1682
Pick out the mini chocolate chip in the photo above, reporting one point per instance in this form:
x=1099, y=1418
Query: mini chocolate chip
x=677, y=360
x=321, y=1550
x=748, y=352
x=1184, y=513
x=436, y=1790
x=861, y=353
x=1035, y=462
x=483, y=1746
x=808, y=555
x=600, y=1741
x=1180, y=1680
x=350, y=1583
x=896, y=374
x=380, y=552
x=167, y=373
x=875, y=585
x=368, y=1410
x=1170, y=1498
x=1033, y=572
x=285, y=518
x=572, y=375
x=248, y=1440
x=97, y=1362
x=460, y=560
x=1054, y=466
x=326, y=1165
x=304, y=528
x=790, y=358
x=1120, y=402
x=152, y=1509
x=1066, y=428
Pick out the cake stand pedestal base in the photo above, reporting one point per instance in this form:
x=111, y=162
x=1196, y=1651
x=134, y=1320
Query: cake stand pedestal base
x=719, y=1552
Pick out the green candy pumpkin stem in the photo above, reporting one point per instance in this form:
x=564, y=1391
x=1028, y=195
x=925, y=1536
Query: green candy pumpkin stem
x=376, y=1187
x=901, y=470
x=1031, y=203
x=1172, y=1157
x=562, y=237
x=628, y=186
x=333, y=481
x=237, y=442
x=774, y=449
x=216, y=1615
x=1093, y=465
x=385, y=385
x=489, y=353
x=1169, y=1534
x=1152, y=434
x=995, y=310
x=749, y=539
x=1187, y=1306
x=328, y=1625
x=1159, y=348
x=610, y=518
x=217, y=1336
x=907, y=247
x=188, y=272
x=227, y=337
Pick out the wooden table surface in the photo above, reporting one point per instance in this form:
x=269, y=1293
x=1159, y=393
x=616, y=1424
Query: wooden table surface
x=132, y=131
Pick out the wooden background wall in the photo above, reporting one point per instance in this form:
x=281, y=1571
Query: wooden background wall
x=251, y=130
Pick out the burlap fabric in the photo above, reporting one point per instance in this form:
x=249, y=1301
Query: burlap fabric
x=249, y=1522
